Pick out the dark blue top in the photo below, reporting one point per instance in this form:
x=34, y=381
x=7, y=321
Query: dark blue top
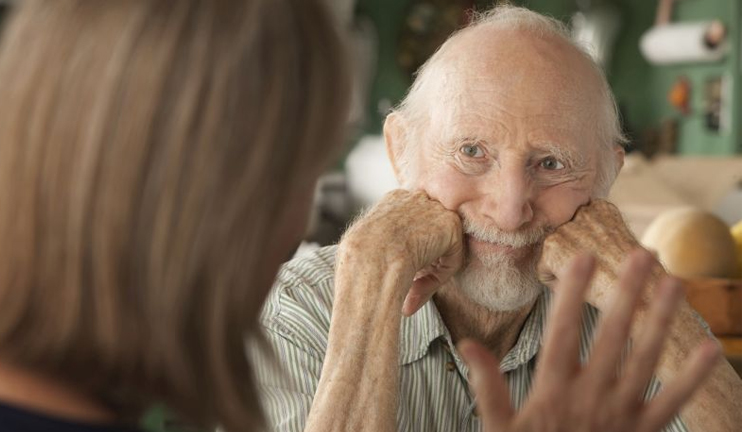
x=14, y=419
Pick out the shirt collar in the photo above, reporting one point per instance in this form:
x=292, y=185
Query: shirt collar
x=418, y=331
x=529, y=339
x=426, y=325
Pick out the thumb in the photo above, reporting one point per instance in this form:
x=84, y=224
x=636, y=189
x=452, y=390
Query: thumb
x=430, y=279
x=422, y=290
x=546, y=276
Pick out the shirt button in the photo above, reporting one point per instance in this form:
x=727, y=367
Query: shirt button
x=450, y=366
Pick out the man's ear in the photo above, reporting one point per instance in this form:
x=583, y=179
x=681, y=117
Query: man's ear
x=619, y=154
x=394, y=137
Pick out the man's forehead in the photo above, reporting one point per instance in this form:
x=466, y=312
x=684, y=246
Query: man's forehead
x=481, y=94
x=490, y=112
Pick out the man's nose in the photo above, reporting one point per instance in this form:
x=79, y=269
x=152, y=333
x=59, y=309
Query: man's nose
x=509, y=204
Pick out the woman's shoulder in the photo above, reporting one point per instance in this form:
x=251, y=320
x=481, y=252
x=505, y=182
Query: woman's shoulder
x=17, y=419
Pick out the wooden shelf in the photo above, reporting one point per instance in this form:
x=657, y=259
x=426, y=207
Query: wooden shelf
x=732, y=346
x=733, y=351
x=719, y=301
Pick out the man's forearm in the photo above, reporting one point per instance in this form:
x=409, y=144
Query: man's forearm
x=358, y=388
x=599, y=229
x=717, y=405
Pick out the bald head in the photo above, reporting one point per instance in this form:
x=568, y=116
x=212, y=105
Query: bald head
x=531, y=72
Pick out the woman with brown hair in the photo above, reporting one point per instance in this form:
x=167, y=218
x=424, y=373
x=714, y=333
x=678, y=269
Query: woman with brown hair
x=157, y=160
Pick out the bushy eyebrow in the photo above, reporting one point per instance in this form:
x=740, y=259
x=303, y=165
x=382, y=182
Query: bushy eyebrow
x=454, y=142
x=564, y=155
x=466, y=139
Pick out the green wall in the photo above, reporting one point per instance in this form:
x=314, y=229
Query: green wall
x=642, y=88
x=390, y=84
x=561, y=9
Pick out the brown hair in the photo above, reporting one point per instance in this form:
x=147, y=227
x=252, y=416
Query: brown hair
x=146, y=148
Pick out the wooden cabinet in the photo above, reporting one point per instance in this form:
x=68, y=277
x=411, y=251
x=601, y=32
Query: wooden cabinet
x=719, y=301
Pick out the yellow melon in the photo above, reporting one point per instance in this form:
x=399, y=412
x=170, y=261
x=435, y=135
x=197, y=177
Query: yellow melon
x=737, y=234
x=693, y=243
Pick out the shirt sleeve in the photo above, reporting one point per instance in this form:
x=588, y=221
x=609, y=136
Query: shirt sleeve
x=654, y=387
x=295, y=324
x=287, y=374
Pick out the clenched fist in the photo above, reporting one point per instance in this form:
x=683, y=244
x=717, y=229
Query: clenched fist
x=597, y=229
x=411, y=230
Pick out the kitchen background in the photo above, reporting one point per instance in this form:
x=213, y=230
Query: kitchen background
x=674, y=66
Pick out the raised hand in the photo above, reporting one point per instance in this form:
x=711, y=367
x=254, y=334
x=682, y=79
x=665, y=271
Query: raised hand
x=568, y=396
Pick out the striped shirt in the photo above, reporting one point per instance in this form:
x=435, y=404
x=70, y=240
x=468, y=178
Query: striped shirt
x=434, y=392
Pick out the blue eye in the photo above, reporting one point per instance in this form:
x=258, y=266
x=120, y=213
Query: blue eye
x=551, y=164
x=472, y=151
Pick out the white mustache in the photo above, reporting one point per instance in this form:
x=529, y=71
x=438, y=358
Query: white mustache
x=518, y=239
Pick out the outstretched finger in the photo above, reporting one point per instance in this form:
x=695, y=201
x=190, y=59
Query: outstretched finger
x=664, y=406
x=562, y=335
x=488, y=384
x=613, y=333
x=648, y=346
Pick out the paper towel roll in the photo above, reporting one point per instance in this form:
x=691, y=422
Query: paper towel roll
x=369, y=171
x=680, y=43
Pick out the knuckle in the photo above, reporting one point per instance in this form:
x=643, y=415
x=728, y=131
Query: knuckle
x=394, y=195
x=607, y=205
x=420, y=194
x=552, y=241
x=454, y=219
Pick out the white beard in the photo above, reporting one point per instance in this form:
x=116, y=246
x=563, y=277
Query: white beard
x=499, y=284
x=497, y=281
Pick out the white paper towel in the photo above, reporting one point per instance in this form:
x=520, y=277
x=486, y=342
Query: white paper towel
x=369, y=171
x=679, y=43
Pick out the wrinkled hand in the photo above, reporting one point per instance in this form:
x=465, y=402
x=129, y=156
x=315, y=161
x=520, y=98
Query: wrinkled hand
x=410, y=229
x=597, y=229
x=569, y=397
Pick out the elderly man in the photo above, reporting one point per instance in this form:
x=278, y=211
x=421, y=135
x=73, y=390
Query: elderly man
x=504, y=144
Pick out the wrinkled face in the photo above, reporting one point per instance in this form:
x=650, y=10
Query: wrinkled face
x=510, y=148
